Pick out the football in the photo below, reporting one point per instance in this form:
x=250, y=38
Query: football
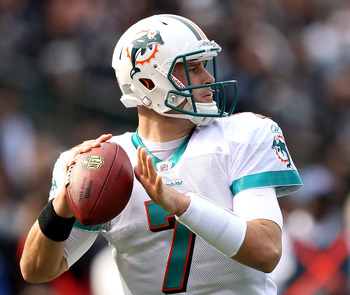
x=99, y=184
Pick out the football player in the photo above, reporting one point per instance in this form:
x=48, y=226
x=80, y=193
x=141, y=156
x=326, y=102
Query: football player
x=204, y=216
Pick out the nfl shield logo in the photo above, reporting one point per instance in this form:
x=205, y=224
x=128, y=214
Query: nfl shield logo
x=164, y=166
x=92, y=162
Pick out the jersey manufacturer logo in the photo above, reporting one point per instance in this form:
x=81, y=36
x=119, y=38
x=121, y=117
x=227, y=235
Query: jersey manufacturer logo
x=92, y=162
x=275, y=128
x=175, y=183
x=279, y=145
x=143, y=49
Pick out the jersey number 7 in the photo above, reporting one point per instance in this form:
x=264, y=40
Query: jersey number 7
x=180, y=256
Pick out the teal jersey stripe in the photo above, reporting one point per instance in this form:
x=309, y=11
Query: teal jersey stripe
x=136, y=141
x=279, y=179
x=77, y=224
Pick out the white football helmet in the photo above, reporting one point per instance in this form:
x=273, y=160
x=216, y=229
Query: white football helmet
x=145, y=57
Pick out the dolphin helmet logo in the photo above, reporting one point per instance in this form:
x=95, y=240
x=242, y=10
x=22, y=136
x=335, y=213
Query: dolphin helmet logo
x=143, y=49
x=279, y=145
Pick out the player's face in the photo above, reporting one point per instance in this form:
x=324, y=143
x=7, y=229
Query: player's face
x=198, y=76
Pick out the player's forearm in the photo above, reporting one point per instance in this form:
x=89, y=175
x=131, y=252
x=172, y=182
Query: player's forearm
x=60, y=205
x=262, y=246
x=42, y=259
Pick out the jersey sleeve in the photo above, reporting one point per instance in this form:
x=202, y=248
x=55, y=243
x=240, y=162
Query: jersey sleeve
x=78, y=243
x=258, y=203
x=263, y=159
x=58, y=174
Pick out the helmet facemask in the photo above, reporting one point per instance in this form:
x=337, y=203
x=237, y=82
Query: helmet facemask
x=201, y=113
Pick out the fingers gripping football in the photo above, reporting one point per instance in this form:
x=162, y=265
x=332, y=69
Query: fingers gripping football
x=87, y=146
x=60, y=203
x=100, y=183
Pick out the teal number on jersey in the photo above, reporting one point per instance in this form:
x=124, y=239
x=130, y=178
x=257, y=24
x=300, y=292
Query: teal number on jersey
x=180, y=257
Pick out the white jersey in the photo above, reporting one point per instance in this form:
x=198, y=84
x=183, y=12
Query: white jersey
x=156, y=254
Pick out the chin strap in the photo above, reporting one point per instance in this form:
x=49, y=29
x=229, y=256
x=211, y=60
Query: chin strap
x=202, y=108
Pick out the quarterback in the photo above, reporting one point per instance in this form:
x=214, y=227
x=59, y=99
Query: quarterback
x=203, y=217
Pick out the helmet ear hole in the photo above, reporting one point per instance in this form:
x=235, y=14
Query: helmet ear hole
x=147, y=83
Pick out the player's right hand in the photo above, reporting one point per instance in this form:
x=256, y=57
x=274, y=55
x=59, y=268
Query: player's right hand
x=60, y=203
x=87, y=146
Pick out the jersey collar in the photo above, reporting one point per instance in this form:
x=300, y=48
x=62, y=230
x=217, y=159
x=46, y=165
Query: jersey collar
x=136, y=140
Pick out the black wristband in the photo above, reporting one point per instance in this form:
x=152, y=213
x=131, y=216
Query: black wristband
x=53, y=226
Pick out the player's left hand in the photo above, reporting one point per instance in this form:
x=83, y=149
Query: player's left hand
x=169, y=199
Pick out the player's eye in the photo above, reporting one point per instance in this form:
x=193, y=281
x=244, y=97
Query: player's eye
x=193, y=68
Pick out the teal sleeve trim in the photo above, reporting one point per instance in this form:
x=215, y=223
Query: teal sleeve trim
x=77, y=224
x=285, y=181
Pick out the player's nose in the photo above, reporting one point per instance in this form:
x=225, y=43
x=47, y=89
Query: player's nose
x=207, y=77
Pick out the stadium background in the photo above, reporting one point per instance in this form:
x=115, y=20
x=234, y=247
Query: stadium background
x=292, y=62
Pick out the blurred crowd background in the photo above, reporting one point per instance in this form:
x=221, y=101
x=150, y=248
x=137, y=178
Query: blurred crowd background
x=57, y=88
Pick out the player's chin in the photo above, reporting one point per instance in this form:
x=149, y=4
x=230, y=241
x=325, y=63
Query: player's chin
x=206, y=99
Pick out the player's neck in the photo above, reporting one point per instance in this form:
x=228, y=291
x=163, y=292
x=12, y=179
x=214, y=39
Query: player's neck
x=155, y=127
